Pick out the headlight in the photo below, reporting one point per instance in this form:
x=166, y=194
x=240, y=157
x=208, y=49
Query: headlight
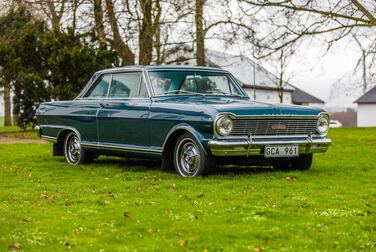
x=224, y=126
x=323, y=124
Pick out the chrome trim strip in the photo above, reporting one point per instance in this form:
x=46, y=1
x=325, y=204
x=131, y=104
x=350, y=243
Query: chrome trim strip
x=122, y=147
x=49, y=138
x=282, y=116
x=239, y=137
x=61, y=127
x=149, y=87
x=152, y=93
x=98, y=145
x=192, y=69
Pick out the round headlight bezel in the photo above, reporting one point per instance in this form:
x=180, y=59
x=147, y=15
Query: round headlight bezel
x=224, y=126
x=323, y=124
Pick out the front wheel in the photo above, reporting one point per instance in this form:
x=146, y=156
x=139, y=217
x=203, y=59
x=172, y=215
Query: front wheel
x=73, y=151
x=301, y=163
x=190, y=159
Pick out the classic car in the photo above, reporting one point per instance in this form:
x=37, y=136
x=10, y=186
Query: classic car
x=190, y=118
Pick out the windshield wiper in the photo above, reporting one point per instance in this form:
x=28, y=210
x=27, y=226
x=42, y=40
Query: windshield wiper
x=182, y=91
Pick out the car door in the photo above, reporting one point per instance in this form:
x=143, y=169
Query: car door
x=123, y=116
x=83, y=111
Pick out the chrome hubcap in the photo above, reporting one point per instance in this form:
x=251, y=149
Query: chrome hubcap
x=189, y=157
x=74, y=149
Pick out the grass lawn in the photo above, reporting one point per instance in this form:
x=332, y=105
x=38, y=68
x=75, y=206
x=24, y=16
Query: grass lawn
x=122, y=205
x=8, y=128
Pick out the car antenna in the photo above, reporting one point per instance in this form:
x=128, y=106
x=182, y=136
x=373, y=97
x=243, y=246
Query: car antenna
x=254, y=73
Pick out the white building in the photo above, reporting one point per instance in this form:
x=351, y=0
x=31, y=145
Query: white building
x=268, y=94
x=367, y=109
x=243, y=68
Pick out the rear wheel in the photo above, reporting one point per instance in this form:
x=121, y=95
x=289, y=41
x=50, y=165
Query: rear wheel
x=301, y=163
x=189, y=158
x=73, y=151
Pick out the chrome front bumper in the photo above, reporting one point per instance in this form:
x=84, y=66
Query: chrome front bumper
x=256, y=146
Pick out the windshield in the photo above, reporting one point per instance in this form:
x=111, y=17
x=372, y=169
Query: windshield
x=201, y=83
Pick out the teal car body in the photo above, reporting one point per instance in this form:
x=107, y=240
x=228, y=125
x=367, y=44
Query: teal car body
x=148, y=124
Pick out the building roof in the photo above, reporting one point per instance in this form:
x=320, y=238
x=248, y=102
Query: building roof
x=368, y=98
x=244, y=68
x=299, y=97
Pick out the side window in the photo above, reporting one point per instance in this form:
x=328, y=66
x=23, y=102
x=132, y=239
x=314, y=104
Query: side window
x=99, y=89
x=143, y=91
x=125, y=85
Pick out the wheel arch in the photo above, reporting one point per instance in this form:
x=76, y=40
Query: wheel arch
x=172, y=137
x=58, y=147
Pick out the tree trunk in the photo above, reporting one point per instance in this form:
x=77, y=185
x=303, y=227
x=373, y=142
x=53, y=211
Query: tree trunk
x=200, y=34
x=121, y=48
x=99, y=26
x=7, y=106
x=146, y=33
x=55, y=15
x=280, y=88
x=364, y=71
x=148, y=30
x=74, y=14
x=158, y=45
x=281, y=75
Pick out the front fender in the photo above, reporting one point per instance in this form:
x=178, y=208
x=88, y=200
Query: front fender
x=199, y=137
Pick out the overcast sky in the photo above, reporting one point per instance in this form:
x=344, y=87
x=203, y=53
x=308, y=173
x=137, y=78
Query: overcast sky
x=313, y=69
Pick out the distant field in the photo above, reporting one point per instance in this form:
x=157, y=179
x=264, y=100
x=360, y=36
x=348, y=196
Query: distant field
x=123, y=205
x=1, y=121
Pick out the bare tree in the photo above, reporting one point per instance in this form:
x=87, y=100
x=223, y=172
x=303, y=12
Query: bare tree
x=120, y=46
x=53, y=10
x=151, y=14
x=295, y=19
x=200, y=33
x=99, y=22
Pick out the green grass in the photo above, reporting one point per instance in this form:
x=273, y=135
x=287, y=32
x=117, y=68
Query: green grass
x=15, y=131
x=8, y=128
x=19, y=133
x=122, y=205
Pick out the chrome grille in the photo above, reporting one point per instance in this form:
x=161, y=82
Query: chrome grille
x=274, y=126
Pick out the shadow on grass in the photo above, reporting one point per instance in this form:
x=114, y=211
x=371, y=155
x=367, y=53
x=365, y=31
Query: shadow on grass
x=144, y=165
x=234, y=170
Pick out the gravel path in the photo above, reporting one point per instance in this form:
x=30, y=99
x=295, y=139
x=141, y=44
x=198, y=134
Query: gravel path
x=13, y=140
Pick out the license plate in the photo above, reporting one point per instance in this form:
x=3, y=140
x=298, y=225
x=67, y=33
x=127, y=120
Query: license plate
x=282, y=151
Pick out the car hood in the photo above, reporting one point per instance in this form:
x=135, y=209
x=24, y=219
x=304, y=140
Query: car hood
x=240, y=107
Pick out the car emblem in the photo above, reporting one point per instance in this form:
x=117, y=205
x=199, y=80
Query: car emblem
x=279, y=126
